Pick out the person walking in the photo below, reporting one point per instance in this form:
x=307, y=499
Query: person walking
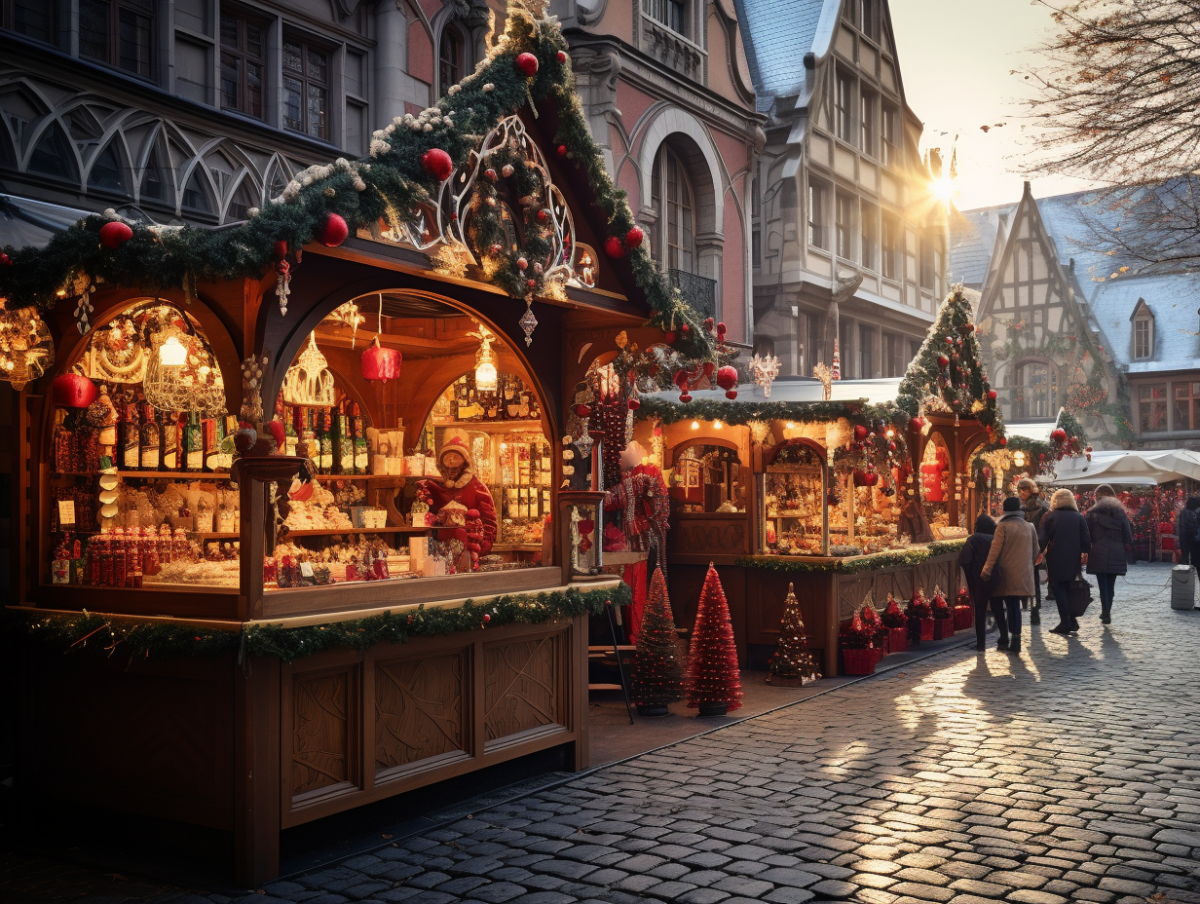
x=971, y=559
x=1112, y=544
x=1186, y=524
x=1034, y=510
x=1065, y=540
x=1014, y=551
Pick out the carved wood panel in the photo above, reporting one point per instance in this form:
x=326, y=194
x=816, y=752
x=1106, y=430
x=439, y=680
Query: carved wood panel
x=419, y=709
x=723, y=537
x=521, y=685
x=851, y=593
x=323, y=729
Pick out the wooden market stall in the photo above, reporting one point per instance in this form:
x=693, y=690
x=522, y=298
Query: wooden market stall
x=855, y=495
x=244, y=448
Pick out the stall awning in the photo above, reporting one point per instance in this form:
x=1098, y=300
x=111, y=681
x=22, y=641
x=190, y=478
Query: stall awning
x=25, y=222
x=1038, y=431
x=801, y=389
x=1129, y=468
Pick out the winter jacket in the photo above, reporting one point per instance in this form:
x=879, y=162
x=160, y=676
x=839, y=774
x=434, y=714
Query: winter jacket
x=1112, y=535
x=1015, y=547
x=970, y=559
x=1035, y=510
x=1065, y=538
x=1186, y=524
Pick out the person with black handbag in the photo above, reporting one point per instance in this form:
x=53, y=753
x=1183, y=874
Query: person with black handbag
x=1112, y=544
x=1012, y=555
x=1065, y=540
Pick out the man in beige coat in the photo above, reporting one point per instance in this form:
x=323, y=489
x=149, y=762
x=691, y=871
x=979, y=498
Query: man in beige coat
x=1015, y=548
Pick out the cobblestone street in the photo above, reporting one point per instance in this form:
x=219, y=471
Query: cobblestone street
x=1068, y=773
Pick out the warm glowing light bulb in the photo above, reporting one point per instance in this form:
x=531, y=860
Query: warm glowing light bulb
x=695, y=425
x=717, y=425
x=791, y=425
x=172, y=353
x=486, y=377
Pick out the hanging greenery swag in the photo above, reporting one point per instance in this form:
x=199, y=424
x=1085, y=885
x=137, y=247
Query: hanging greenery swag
x=74, y=633
x=736, y=413
x=854, y=564
x=388, y=184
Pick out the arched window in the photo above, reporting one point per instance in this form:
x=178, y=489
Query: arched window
x=1037, y=390
x=156, y=182
x=195, y=197
x=672, y=197
x=52, y=156
x=107, y=172
x=450, y=58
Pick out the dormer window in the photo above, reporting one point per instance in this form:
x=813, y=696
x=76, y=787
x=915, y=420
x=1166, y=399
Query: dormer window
x=1143, y=331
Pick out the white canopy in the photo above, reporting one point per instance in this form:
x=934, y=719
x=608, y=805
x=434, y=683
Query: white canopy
x=800, y=389
x=1130, y=468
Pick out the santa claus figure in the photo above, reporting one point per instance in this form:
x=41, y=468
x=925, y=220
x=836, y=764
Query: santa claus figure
x=460, y=489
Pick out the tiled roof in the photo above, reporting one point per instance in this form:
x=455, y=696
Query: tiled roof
x=972, y=238
x=1173, y=299
x=777, y=35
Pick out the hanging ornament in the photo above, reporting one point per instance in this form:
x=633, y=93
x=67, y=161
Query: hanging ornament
x=634, y=237
x=727, y=379
x=562, y=150
x=681, y=380
x=437, y=163
x=72, y=391
x=669, y=337
x=333, y=231
x=507, y=170
x=528, y=322
x=528, y=64
x=380, y=363
x=943, y=362
x=114, y=234
x=308, y=383
x=283, y=276
x=561, y=56
x=1059, y=435
x=26, y=347
x=613, y=247
x=522, y=263
x=836, y=370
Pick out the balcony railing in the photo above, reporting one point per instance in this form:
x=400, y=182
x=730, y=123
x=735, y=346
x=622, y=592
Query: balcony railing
x=699, y=291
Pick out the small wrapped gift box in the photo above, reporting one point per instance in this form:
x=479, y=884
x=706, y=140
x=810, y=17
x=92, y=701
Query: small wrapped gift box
x=926, y=628
x=942, y=628
x=859, y=662
x=897, y=640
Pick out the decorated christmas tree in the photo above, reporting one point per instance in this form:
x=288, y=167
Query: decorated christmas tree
x=947, y=373
x=658, y=675
x=713, y=681
x=792, y=662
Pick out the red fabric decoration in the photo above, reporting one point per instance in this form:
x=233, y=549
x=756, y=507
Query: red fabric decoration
x=613, y=247
x=727, y=379
x=527, y=63
x=380, y=363
x=634, y=237
x=72, y=391
x=115, y=234
x=333, y=231
x=437, y=163
x=713, y=678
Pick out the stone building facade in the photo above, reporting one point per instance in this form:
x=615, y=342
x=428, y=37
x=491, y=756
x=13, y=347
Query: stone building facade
x=847, y=240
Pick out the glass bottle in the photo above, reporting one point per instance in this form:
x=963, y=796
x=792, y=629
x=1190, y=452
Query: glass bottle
x=151, y=438
x=194, y=443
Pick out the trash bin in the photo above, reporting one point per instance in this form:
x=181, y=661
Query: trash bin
x=1183, y=587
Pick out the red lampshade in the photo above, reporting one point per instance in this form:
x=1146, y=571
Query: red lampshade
x=72, y=391
x=380, y=363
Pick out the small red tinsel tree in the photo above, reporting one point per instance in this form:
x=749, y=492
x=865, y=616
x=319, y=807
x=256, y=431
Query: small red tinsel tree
x=792, y=661
x=658, y=674
x=712, y=673
x=941, y=609
x=893, y=616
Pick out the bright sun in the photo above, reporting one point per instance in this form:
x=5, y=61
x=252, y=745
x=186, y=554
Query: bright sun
x=943, y=189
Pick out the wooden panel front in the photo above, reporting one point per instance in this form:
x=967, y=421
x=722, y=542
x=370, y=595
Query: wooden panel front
x=766, y=592
x=686, y=581
x=709, y=535
x=420, y=711
x=521, y=688
x=324, y=731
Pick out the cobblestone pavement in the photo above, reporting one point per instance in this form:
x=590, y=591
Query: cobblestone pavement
x=1064, y=774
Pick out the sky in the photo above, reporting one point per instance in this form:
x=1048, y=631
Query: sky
x=955, y=61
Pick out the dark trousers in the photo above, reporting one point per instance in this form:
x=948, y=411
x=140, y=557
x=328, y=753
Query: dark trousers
x=1107, y=584
x=1062, y=598
x=1008, y=608
x=996, y=607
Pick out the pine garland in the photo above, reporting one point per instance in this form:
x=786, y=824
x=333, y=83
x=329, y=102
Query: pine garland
x=737, y=413
x=389, y=182
x=853, y=564
x=74, y=633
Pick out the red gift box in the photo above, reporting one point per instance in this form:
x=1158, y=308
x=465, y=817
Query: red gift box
x=942, y=628
x=897, y=640
x=926, y=628
x=858, y=662
x=963, y=618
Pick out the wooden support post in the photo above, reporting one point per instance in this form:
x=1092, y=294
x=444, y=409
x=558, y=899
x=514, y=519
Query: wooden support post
x=257, y=805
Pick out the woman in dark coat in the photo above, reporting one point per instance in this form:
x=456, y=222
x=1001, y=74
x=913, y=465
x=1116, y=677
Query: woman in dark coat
x=1065, y=540
x=970, y=560
x=1112, y=541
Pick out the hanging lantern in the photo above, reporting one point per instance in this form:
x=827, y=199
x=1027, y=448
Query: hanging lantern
x=487, y=377
x=26, y=347
x=379, y=363
x=181, y=374
x=308, y=383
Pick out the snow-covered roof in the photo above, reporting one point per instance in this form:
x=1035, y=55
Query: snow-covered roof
x=777, y=35
x=1173, y=299
x=801, y=389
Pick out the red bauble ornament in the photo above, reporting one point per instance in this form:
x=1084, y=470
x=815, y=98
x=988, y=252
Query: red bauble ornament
x=543, y=215
x=943, y=361
x=490, y=174
x=685, y=397
x=992, y=395
x=613, y=247
x=582, y=410
x=1059, y=435
x=634, y=237
x=379, y=363
x=115, y=234
x=727, y=379
x=562, y=150
x=437, y=163
x=527, y=63
x=245, y=439
x=916, y=423
x=562, y=56
x=684, y=328
x=860, y=432
x=634, y=404
x=72, y=391
x=669, y=337
x=522, y=263
x=5, y=260
x=333, y=231
x=486, y=618
x=1004, y=440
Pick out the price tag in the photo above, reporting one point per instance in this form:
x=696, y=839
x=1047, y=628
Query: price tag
x=306, y=569
x=66, y=512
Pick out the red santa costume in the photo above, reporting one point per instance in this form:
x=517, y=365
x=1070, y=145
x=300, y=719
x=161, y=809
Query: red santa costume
x=465, y=488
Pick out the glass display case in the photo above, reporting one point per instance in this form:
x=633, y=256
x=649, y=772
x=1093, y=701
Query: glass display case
x=707, y=478
x=795, y=515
